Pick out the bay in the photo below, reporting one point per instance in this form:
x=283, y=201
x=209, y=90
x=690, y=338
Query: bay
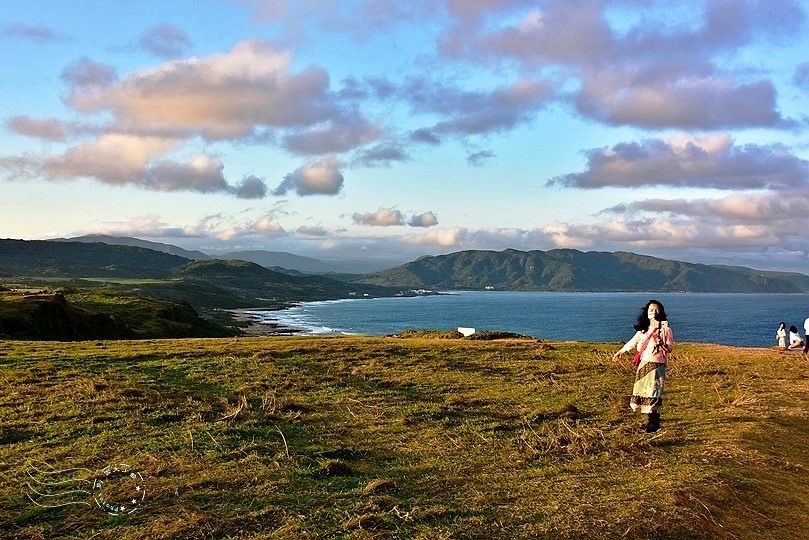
x=747, y=320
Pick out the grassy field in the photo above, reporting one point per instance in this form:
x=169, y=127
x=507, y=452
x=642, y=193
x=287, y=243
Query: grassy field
x=423, y=438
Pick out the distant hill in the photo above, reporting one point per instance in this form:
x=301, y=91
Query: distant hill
x=137, y=242
x=573, y=270
x=268, y=285
x=280, y=261
x=307, y=265
x=46, y=258
x=211, y=283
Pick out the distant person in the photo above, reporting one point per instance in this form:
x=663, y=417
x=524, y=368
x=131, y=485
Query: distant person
x=806, y=336
x=653, y=341
x=781, y=335
x=795, y=341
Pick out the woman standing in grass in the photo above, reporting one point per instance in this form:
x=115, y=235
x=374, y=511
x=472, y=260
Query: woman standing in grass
x=653, y=341
x=781, y=335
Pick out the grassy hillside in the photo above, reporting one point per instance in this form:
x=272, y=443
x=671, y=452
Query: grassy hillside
x=91, y=314
x=77, y=259
x=264, y=284
x=573, y=270
x=422, y=438
x=205, y=284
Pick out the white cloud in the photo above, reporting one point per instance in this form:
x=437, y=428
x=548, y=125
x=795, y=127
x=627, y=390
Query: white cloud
x=427, y=219
x=333, y=136
x=317, y=177
x=312, y=231
x=165, y=41
x=668, y=77
x=266, y=225
x=37, y=34
x=384, y=217
x=220, y=96
x=113, y=158
x=687, y=161
x=452, y=237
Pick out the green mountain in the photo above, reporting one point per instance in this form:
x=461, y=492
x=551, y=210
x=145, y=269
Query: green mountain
x=306, y=265
x=105, y=291
x=137, y=242
x=573, y=270
x=43, y=258
x=204, y=284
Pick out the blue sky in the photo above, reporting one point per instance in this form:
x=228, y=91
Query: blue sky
x=388, y=130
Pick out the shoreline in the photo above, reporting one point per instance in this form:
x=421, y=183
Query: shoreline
x=270, y=327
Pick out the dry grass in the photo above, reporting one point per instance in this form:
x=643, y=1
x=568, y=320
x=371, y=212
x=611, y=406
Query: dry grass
x=422, y=437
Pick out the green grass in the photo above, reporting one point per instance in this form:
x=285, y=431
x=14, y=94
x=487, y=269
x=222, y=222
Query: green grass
x=420, y=437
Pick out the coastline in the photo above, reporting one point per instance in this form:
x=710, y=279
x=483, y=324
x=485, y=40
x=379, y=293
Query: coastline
x=250, y=323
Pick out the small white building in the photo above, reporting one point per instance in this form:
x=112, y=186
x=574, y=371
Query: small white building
x=466, y=331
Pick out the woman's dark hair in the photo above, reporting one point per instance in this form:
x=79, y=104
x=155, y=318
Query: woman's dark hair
x=793, y=329
x=643, y=321
x=782, y=323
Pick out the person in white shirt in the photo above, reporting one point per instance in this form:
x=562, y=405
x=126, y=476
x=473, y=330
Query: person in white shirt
x=653, y=341
x=795, y=341
x=806, y=335
x=781, y=335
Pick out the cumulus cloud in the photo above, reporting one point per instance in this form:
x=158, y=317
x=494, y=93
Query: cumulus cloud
x=425, y=136
x=752, y=208
x=119, y=159
x=687, y=161
x=360, y=19
x=320, y=176
x=687, y=102
x=334, y=136
x=477, y=159
x=50, y=129
x=38, y=34
x=661, y=232
x=448, y=238
x=384, y=217
x=478, y=112
x=266, y=225
x=312, y=231
x=801, y=76
x=252, y=187
x=381, y=155
x=144, y=226
x=88, y=73
x=427, y=219
x=220, y=96
x=165, y=41
x=114, y=159
x=669, y=77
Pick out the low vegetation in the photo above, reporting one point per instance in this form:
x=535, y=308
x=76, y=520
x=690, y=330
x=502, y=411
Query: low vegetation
x=574, y=270
x=395, y=437
x=69, y=314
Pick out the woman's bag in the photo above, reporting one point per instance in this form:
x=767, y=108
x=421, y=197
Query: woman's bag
x=636, y=359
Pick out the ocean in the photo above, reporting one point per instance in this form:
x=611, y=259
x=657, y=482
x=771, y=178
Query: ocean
x=747, y=320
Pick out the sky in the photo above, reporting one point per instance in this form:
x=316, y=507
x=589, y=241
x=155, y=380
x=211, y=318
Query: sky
x=387, y=130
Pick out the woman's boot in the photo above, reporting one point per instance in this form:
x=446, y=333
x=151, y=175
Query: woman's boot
x=654, y=423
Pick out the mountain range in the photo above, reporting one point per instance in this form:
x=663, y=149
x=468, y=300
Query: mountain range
x=573, y=270
x=230, y=282
x=277, y=260
x=105, y=290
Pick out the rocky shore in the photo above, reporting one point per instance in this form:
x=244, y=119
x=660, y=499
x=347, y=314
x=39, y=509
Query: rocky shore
x=250, y=324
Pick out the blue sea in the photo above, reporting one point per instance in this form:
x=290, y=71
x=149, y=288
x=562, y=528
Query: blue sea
x=747, y=320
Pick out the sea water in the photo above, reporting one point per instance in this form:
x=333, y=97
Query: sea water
x=748, y=320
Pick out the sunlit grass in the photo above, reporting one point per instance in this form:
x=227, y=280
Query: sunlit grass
x=423, y=437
